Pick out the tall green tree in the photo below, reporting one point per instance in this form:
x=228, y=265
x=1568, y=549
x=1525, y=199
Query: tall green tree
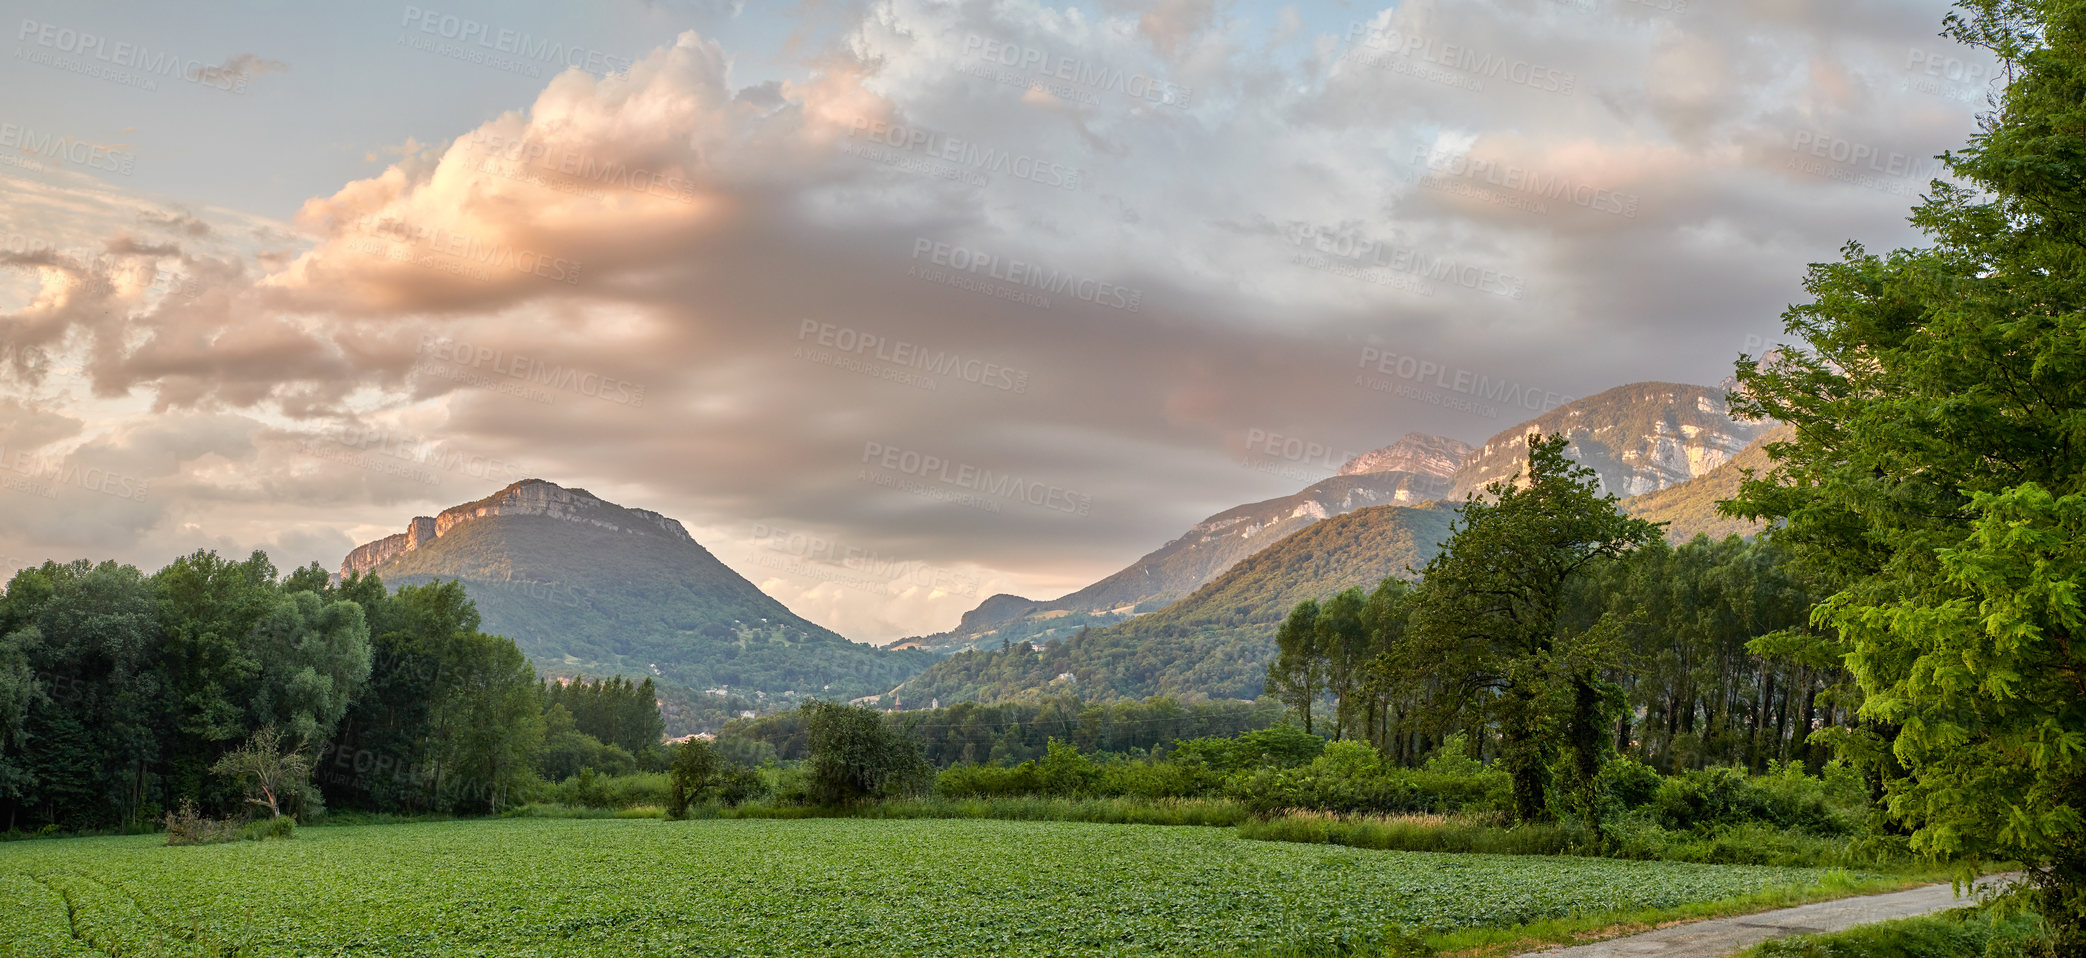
x=1490, y=612
x=1296, y=676
x=1934, y=480
x=857, y=755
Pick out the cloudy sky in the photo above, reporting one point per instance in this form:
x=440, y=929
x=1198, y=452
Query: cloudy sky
x=281, y=276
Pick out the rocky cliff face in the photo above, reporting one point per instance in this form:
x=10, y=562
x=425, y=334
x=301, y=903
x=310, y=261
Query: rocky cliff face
x=1638, y=438
x=529, y=497
x=1435, y=457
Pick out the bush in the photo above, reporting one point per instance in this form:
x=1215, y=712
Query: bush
x=1708, y=799
x=1415, y=833
x=188, y=826
x=269, y=829
x=591, y=790
x=1278, y=746
x=1347, y=778
x=1629, y=784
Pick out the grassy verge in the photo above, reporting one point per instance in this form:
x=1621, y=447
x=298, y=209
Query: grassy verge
x=1962, y=933
x=1743, y=844
x=1600, y=926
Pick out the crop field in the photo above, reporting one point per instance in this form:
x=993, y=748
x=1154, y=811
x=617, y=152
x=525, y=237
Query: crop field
x=629, y=888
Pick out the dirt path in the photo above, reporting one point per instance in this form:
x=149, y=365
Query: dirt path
x=1722, y=936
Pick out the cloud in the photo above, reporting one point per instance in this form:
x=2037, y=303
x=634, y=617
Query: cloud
x=716, y=290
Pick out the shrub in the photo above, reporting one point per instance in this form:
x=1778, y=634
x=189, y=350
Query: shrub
x=1629, y=783
x=269, y=829
x=188, y=826
x=1348, y=779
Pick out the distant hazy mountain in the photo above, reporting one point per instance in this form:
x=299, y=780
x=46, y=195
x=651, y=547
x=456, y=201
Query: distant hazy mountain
x=1638, y=438
x=1413, y=470
x=1214, y=643
x=1675, y=444
x=586, y=586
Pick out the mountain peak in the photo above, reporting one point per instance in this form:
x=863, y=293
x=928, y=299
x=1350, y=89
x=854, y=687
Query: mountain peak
x=1418, y=453
x=528, y=497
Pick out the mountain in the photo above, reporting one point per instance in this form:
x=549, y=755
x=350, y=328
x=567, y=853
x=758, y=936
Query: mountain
x=1216, y=641
x=1691, y=507
x=1436, y=457
x=1672, y=448
x=1638, y=438
x=588, y=587
x=1415, y=469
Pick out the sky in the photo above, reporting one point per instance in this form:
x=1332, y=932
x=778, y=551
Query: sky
x=899, y=304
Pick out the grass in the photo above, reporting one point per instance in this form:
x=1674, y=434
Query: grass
x=1603, y=925
x=640, y=887
x=1961, y=933
x=1412, y=833
x=1104, y=811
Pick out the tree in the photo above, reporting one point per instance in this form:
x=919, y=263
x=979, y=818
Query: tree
x=1936, y=471
x=695, y=763
x=1489, y=615
x=311, y=658
x=856, y=755
x=487, y=721
x=1296, y=676
x=268, y=769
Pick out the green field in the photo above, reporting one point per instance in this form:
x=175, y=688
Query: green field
x=823, y=886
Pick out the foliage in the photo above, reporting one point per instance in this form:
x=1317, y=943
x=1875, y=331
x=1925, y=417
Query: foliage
x=855, y=755
x=621, y=887
x=268, y=829
x=1956, y=933
x=613, y=711
x=265, y=771
x=189, y=826
x=1489, y=626
x=1935, y=477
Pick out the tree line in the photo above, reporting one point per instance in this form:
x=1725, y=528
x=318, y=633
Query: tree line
x=124, y=695
x=1006, y=733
